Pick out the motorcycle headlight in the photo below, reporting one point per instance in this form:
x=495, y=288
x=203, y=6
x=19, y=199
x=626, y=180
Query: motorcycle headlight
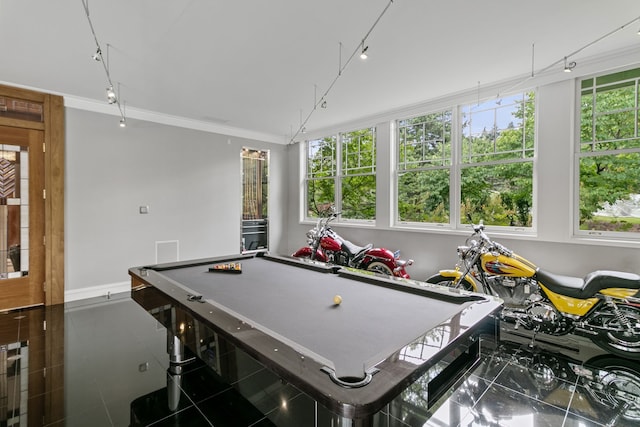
x=311, y=236
x=462, y=251
x=311, y=233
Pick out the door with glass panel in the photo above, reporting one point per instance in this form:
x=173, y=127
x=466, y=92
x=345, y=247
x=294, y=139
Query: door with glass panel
x=22, y=223
x=255, y=195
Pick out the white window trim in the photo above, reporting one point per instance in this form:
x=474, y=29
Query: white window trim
x=618, y=238
x=304, y=219
x=455, y=180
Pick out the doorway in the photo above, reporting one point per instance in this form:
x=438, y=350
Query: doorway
x=31, y=198
x=21, y=217
x=255, y=196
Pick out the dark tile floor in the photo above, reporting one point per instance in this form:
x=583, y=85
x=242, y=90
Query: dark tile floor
x=104, y=362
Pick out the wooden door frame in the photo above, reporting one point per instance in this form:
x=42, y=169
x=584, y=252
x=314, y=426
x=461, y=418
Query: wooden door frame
x=53, y=128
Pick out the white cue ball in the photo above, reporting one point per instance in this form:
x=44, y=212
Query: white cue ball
x=337, y=300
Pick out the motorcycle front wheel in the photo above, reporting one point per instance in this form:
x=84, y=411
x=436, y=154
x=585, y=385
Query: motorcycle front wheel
x=619, y=343
x=439, y=279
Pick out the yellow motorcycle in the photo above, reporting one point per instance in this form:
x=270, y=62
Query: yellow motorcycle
x=603, y=306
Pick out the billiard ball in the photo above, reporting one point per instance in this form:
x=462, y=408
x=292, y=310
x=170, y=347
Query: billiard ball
x=337, y=300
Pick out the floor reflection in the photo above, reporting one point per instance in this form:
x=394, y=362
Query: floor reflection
x=517, y=384
x=31, y=366
x=104, y=362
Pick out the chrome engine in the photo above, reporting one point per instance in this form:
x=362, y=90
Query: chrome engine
x=514, y=291
x=339, y=258
x=539, y=316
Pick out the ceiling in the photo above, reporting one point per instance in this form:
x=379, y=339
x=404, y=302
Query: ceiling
x=262, y=67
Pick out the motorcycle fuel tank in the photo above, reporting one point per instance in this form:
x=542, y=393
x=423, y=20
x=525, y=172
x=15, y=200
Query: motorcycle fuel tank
x=510, y=266
x=329, y=244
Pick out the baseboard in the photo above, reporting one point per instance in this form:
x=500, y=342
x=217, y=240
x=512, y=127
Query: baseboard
x=97, y=291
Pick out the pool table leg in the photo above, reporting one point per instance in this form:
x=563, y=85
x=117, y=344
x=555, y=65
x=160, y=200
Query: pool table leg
x=174, y=384
x=348, y=422
x=177, y=360
x=175, y=348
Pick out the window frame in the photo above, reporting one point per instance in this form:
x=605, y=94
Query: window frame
x=456, y=166
x=341, y=172
x=447, y=164
x=578, y=154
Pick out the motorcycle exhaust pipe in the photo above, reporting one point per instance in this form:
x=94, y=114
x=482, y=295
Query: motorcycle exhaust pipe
x=585, y=332
x=400, y=265
x=518, y=319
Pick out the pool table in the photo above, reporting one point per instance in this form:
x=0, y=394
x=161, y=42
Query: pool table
x=353, y=357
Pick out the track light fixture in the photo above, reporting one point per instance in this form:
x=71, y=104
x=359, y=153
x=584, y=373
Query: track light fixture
x=112, y=98
x=111, y=95
x=569, y=66
x=123, y=110
x=359, y=48
x=363, y=53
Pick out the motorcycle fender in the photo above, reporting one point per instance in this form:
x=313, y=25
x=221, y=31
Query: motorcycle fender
x=306, y=253
x=456, y=275
x=381, y=254
x=568, y=305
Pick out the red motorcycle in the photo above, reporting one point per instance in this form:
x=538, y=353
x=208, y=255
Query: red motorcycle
x=326, y=245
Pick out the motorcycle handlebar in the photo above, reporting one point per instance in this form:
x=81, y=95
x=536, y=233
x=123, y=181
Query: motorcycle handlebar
x=324, y=221
x=479, y=229
x=503, y=250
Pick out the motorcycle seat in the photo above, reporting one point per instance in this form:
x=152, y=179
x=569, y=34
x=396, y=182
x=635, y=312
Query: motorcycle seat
x=576, y=287
x=355, y=250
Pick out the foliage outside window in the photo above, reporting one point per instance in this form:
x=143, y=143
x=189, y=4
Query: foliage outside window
x=349, y=183
x=494, y=153
x=321, y=175
x=496, y=161
x=424, y=168
x=358, y=183
x=609, y=154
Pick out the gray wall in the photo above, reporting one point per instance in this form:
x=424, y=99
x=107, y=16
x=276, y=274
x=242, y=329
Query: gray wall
x=191, y=181
x=552, y=248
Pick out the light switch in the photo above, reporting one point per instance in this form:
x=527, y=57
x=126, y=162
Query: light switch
x=144, y=209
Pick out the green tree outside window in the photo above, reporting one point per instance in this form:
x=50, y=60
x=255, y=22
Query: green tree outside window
x=609, y=153
x=354, y=175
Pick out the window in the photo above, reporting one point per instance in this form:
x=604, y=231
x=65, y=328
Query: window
x=608, y=154
x=488, y=164
x=321, y=175
x=358, y=174
x=496, y=161
x=424, y=168
x=341, y=171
